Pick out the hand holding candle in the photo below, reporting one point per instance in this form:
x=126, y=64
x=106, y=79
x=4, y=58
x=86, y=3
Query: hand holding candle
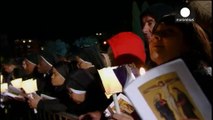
x=30, y=86
x=111, y=85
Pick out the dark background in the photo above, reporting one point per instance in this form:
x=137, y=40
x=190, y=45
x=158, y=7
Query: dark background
x=51, y=20
x=66, y=20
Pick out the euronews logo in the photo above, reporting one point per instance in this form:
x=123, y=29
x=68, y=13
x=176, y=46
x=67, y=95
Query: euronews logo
x=185, y=15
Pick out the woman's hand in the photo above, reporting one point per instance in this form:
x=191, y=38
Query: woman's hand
x=33, y=101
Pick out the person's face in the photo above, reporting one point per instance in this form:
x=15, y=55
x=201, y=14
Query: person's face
x=166, y=43
x=57, y=79
x=28, y=66
x=8, y=68
x=148, y=24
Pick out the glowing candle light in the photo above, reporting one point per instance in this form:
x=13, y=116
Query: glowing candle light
x=17, y=83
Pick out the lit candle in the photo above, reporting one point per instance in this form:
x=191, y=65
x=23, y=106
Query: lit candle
x=4, y=87
x=17, y=83
x=1, y=78
x=111, y=85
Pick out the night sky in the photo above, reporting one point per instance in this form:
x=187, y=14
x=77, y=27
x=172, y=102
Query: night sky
x=51, y=20
x=66, y=20
x=70, y=19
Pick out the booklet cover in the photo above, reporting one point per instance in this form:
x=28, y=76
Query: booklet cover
x=168, y=91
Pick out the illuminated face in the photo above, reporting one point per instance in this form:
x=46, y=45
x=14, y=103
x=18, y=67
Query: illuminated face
x=148, y=25
x=167, y=43
x=57, y=79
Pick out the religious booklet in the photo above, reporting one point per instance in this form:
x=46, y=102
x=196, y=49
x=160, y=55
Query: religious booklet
x=168, y=92
x=125, y=107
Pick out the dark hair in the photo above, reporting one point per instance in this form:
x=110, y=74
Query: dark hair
x=194, y=36
x=156, y=11
x=9, y=61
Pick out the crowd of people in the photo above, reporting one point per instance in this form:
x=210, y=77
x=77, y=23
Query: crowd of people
x=75, y=83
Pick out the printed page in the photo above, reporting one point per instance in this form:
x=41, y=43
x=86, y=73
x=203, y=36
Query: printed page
x=168, y=91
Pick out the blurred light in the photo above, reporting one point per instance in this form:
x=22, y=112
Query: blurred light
x=24, y=41
x=98, y=34
x=29, y=41
x=42, y=48
x=142, y=71
x=105, y=42
x=28, y=46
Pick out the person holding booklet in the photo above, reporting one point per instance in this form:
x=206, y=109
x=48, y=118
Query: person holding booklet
x=186, y=40
x=172, y=40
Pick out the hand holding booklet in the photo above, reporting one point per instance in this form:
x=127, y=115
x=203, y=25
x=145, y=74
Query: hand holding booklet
x=168, y=91
x=124, y=103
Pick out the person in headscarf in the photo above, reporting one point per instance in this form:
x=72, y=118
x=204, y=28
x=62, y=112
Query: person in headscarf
x=45, y=64
x=86, y=90
x=29, y=65
x=59, y=80
x=185, y=40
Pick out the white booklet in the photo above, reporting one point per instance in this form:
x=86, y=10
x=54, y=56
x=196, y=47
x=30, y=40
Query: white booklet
x=168, y=91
